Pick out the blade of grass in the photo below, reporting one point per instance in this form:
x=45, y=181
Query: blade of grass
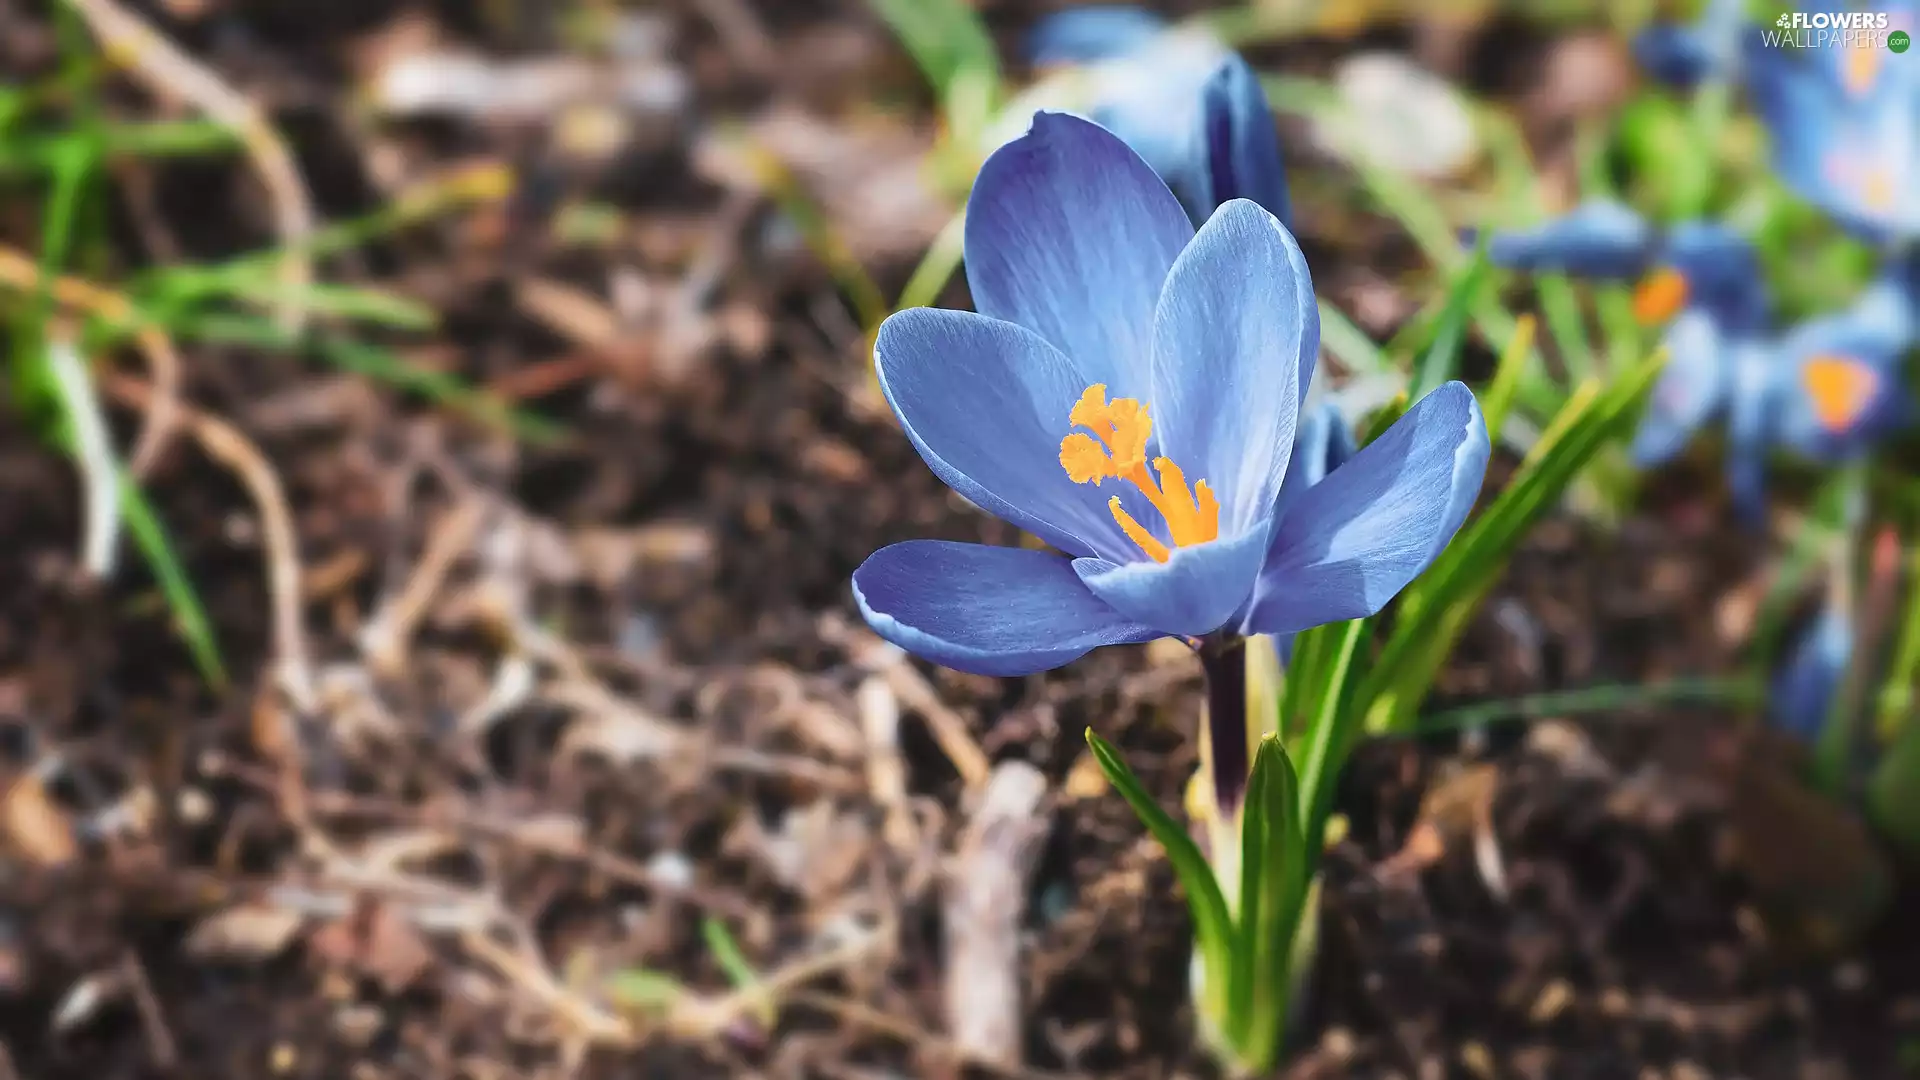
x=1619, y=697
x=183, y=601
x=1442, y=360
x=1497, y=399
x=448, y=391
x=1349, y=344
x=1213, y=926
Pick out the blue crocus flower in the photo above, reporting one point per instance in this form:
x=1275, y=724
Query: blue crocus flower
x=1322, y=443
x=1685, y=54
x=1842, y=372
x=1802, y=692
x=1702, y=281
x=1117, y=353
x=1182, y=100
x=1694, y=264
x=1845, y=130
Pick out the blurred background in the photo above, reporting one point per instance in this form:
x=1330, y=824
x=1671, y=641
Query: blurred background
x=439, y=437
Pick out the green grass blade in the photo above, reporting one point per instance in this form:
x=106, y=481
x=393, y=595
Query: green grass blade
x=189, y=616
x=1497, y=401
x=1619, y=697
x=953, y=50
x=1560, y=308
x=383, y=365
x=1434, y=610
x=1349, y=344
x=937, y=266
x=1213, y=927
x=1442, y=360
x=1274, y=867
x=1894, y=706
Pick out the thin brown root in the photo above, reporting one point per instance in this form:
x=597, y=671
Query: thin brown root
x=170, y=72
x=226, y=444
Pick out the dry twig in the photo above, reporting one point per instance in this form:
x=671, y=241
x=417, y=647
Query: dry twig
x=986, y=896
x=227, y=445
x=169, y=71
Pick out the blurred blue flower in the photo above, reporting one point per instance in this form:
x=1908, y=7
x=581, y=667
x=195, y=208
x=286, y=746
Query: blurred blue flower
x=1827, y=388
x=1802, y=693
x=1322, y=443
x=1844, y=124
x=1112, y=337
x=1696, y=264
x=1182, y=100
x=1685, y=54
x=1843, y=388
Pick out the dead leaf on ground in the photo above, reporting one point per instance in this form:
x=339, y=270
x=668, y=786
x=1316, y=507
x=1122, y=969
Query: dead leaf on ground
x=36, y=828
x=374, y=941
x=245, y=932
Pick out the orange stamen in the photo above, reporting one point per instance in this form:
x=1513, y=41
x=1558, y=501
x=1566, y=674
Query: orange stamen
x=1862, y=65
x=1660, y=296
x=1840, y=388
x=1117, y=449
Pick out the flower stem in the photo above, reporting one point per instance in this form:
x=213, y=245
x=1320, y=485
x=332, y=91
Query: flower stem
x=1224, y=659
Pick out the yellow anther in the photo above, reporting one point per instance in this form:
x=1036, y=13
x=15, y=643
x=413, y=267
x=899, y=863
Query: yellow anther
x=1876, y=188
x=1118, y=448
x=1861, y=67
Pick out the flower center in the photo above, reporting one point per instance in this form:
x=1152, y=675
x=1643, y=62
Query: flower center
x=1840, y=388
x=1660, y=296
x=1861, y=66
x=1117, y=449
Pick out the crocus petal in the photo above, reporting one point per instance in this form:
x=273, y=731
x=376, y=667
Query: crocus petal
x=1684, y=55
x=1599, y=238
x=1722, y=273
x=1194, y=592
x=986, y=404
x=1837, y=383
x=1235, y=337
x=1084, y=35
x=1675, y=55
x=1804, y=690
x=1752, y=407
x=985, y=610
x=1241, y=143
x=1354, y=540
x=1322, y=444
x=1691, y=389
x=1071, y=235
x=1854, y=161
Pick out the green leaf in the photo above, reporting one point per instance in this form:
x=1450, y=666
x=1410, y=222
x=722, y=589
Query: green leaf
x=1349, y=344
x=1497, y=401
x=1213, y=928
x=1274, y=862
x=189, y=616
x=640, y=988
x=1435, y=609
x=1893, y=792
x=953, y=50
x=1826, y=522
x=936, y=267
x=1442, y=361
x=1894, y=708
x=1333, y=730
x=383, y=365
x=1560, y=307
x=1611, y=698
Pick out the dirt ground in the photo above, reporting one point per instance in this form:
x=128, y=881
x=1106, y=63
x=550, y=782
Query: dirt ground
x=531, y=721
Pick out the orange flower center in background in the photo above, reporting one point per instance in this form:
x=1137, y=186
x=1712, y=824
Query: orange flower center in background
x=1117, y=450
x=1840, y=388
x=1660, y=296
x=1862, y=65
